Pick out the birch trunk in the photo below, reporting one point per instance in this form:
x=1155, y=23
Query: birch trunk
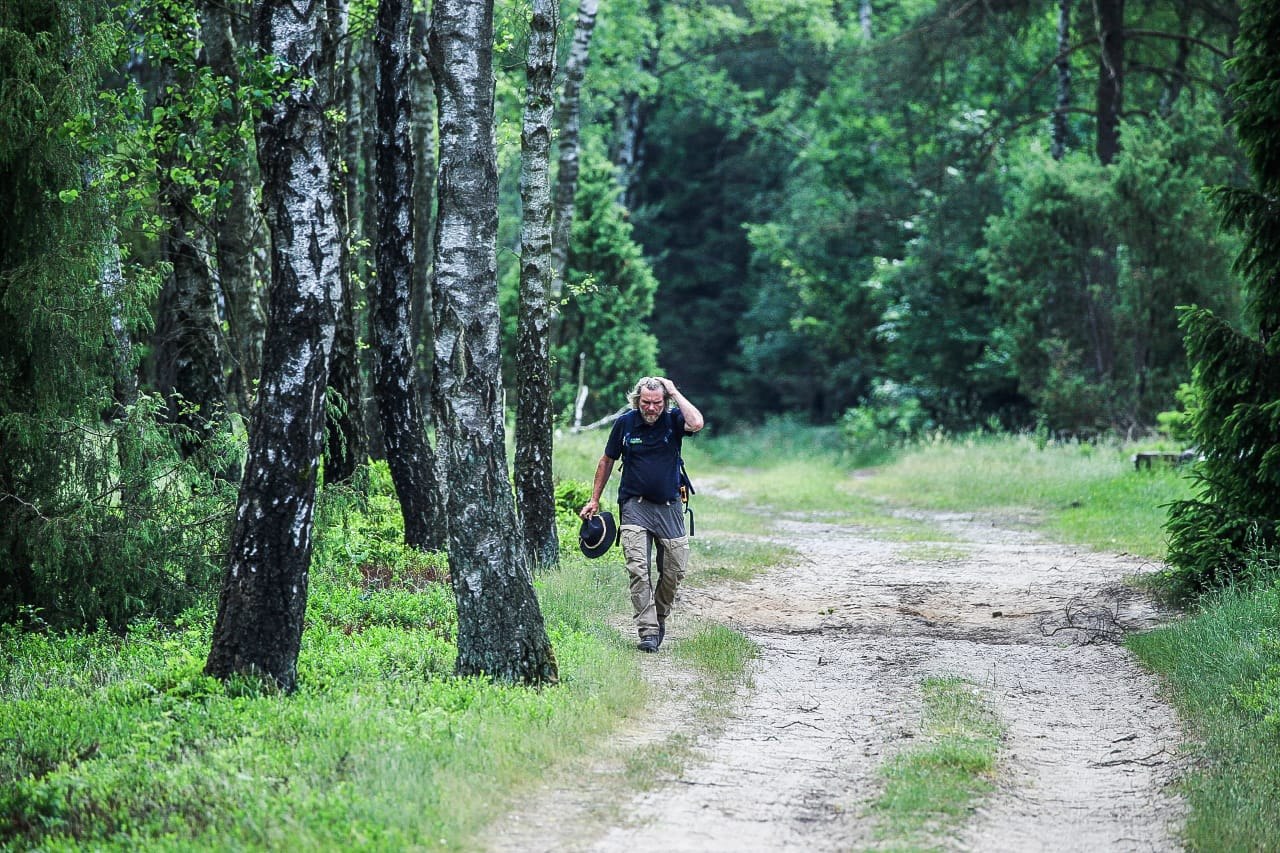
x=187, y=342
x=404, y=429
x=260, y=611
x=424, y=204
x=535, y=489
x=500, y=628
x=346, y=440
x=1058, y=144
x=635, y=115
x=568, y=120
x=423, y=131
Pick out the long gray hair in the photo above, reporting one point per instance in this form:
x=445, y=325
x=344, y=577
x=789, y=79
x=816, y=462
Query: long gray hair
x=648, y=383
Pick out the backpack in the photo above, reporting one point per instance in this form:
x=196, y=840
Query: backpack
x=686, y=485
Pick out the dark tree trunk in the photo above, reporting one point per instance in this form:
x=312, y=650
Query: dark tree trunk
x=346, y=444
x=535, y=489
x=260, y=612
x=358, y=154
x=500, y=628
x=187, y=343
x=239, y=233
x=346, y=440
x=404, y=429
x=1110, y=77
x=1061, y=128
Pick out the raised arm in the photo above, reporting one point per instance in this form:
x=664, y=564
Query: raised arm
x=692, y=417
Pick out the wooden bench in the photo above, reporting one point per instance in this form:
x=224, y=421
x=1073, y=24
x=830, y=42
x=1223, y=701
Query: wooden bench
x=1172, y=458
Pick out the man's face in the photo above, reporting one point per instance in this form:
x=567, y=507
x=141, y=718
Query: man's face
x=651, y=403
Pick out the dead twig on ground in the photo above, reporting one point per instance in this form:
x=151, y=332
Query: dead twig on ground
x=1092, y=622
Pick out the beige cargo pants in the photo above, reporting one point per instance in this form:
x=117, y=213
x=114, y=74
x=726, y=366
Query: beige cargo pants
x=652, y=602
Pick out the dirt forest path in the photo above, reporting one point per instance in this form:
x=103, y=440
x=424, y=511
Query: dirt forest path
x=846, y=634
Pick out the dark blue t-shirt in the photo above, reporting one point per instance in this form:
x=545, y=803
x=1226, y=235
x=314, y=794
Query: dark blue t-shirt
x=650, y=455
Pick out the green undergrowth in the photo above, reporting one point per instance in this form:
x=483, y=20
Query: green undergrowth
x=933, y=785
x=1223, y=668
x=118, y=741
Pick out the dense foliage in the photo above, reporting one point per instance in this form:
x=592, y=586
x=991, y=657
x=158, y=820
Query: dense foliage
x=816, y=184
x=99, y=517
x=1235, y=522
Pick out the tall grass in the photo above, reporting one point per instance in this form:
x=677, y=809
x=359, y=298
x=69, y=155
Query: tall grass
x=1223, y=665
x=1079, y=492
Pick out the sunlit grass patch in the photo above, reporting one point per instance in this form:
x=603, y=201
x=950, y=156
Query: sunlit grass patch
x=932, y=785
x=717, y=650
x=1087, y=493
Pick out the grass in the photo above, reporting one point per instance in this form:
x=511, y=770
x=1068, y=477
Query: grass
x=112, y=741
x=720, y=652
x=930, y=787
x=1078, y=492
x=1223, y=668
x=120, y=742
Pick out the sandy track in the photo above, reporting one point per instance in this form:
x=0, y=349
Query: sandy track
x=846, y=635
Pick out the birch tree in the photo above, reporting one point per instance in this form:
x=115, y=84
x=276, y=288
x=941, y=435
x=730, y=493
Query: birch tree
x=346, y=439
x=568, y=121
x=404, y=428
x=1062, y=69
x=188, y=345
x=500, y=628
x=260, y=611
x=535, y=489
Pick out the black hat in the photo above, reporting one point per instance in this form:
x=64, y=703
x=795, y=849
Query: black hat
x=597, y=534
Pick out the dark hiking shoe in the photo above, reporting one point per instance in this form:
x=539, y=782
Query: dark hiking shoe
x=648, y=644
x=662, y=630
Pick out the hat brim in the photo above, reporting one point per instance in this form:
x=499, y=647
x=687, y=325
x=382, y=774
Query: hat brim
x=593, y=545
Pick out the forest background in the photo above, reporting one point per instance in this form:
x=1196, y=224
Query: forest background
x=927, y=216
x=924, y=219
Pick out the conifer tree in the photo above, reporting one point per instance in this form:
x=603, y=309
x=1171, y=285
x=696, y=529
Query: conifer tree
x=1235, y=516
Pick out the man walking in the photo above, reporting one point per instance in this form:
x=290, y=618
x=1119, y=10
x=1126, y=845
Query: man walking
x=647, y=439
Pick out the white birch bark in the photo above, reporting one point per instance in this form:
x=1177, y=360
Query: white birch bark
x=535, y=488
x=500, y=629
x=260, y=612
x=568, y=120
x=404, y=427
